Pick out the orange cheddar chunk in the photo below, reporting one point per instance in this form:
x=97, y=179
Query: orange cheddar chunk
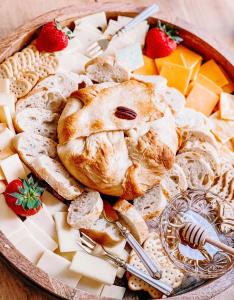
x=149, y=67
x=201, y=99
x=211, y=70
x=196, y=70
x=226, y=106
x=211, y=85
x=228, y=88
x=177, y=76
x=175, y=58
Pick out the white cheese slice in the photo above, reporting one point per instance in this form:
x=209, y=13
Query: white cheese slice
x=6, y=136
x=5, y=117
x=93, y=267
x=2, y=187
x=26, y=244
x=113, y=291
x=8, y=100
x=4, y=85
x=12, y=168
x=40, y=235
x=9, y=221
x=52, y=203
x=121, y=271
x=118, y=249
x=67, y=255
x=226, y=105
x=90, y=286
x=130, y=57
x=67, y=236
x=58, y=267
x=97, y=20
x=45, y=221
x=74, y=62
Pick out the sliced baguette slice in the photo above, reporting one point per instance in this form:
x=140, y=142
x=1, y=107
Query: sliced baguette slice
x=203, y=136
x=133, y=220
x=29, y=146
x=53, y=172
x=174, y=182
x=151, y=204
x=85, y=210
x=103, y=69
x=42, y=99
x=103, y=232
x=198, y=172
x=38, y=121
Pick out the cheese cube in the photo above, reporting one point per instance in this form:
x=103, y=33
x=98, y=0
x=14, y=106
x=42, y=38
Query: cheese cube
x=72, y=62
x=58, y=267
x=228, y=88
x=113, y=291
x=121, y=271
x=97, y=20
x=130, y=57
x=25, y=243
x=2, y=187
x=177, y=76
x=2, y=176
x=175, y=57
x=9, y=101
x=209, y=84
x=6, y=136
x=118, y=249
x=190, y=59
x=52, y=203
x=45, y=221
x=67, y=255
x=226, y=106
x=93, y=267
x=222, y=129
x=4, y=85
x=40, y=235
x=5, y=117
x=195, y=71
x=211, y=70
x=67, y=236
x=9, y=221
x=12, y=168
x=201, y=99
x=149, y=67
x=90, y=286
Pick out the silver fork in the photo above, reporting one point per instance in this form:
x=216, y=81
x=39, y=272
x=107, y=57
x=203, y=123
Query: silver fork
x=91, y=247
x=101, y=45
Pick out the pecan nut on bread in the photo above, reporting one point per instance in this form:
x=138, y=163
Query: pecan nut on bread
x=119, y=143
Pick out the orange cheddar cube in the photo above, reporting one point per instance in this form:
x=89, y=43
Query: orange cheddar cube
x=149, y=67
x=228, y=88
x=201, y=99
x=177, y=76
x=211, y=85
x=226, y=106
x=211, y=70
x=190, y=59
x=175, y=58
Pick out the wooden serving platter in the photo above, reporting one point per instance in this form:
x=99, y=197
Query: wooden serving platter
x=192, y=39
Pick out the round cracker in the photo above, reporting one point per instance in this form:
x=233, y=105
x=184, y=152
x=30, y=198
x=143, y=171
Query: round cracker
x=44, y=71
x=20, y=87
x=12, y=60
x=32, y=77
x=4, y=71
x=31, y=53
x=21, y=61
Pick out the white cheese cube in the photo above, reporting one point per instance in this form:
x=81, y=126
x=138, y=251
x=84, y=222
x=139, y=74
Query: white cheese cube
x=40, y=235
x=4, y=85
x=93, y=267
x=44, y=220
x=97, y=20
x=72, y=62
x=121, y=271
x=26, y=244
x=130, y=57
x=118, y=249
x=58, y=267
x=90, y=286
x=113, y=291
x=5, y=117
x=6, y=136
x=9, y=221
x=52, y=203
x=67, y=236
x=8, y=100
x=2, y=187
x=67, y=255
x=12, y=168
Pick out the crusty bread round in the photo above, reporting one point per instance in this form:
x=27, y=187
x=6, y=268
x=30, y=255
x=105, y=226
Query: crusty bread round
x=85, y=210
x=133, y=220
x=103, y=232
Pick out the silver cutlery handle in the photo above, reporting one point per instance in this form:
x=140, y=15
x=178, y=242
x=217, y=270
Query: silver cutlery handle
x=159, y=285
x=149, y=11
x=146, y=260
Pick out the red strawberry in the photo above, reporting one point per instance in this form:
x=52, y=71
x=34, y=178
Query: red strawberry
x=161, y=41
x=52, y=38
x=23, y=196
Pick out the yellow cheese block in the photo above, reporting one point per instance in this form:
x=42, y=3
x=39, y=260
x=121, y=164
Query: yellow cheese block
x=228, y=88
x=226, y=106
x=5, y=117
x=190, y=59
x=196, y=70
x=211, y=85
x=201, y=99
x=149, y=67
x=222, y=129
x=211, y=70
x=177, y=76
x=174, y=58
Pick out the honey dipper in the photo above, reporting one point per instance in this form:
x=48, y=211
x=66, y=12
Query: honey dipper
x=196, y=236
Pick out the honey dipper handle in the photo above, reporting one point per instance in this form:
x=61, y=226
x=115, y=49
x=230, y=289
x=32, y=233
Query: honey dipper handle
x=220, y=245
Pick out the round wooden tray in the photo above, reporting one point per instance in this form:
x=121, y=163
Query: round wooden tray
x=194, y=40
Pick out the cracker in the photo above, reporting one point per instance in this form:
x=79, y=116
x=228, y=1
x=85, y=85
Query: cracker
x=36, y=53
x=20, y=87
x=31, y=77
x=4, y=71
x=50, y=60
x=21, y=61
x=28, y=59
x=9, y=67
x=12, y=60
x=30, y=52
x=44, y=71
x=170, y=274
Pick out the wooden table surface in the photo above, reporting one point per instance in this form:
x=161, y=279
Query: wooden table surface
x=215, y=17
